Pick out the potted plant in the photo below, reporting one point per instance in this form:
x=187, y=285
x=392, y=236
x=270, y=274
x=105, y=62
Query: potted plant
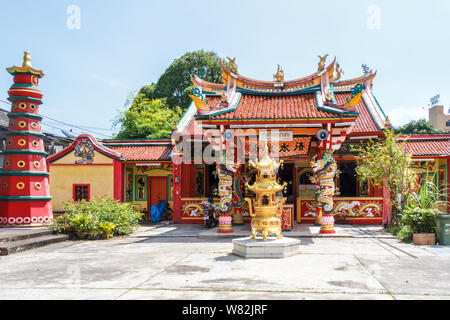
x=421, y=223
x=419, y=215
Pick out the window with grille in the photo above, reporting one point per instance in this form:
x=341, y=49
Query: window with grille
x=80, y=192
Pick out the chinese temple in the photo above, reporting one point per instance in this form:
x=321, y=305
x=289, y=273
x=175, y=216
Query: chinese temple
x=307, y=125
x=315, y=120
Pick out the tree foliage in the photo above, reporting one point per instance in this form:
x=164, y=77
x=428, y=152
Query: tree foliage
x=159, y=105
x=172, y=84
x=148, y=119
x=382, y=163
x=420, y=126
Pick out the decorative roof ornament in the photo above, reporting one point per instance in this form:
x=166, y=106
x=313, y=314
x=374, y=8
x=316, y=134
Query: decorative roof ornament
x=339, y=72
x=224, y=100
x=387, y=123
x=234, y=67
x=329, y=95
x=26, y=67
x=279, y=76
x=322, y=63
x=365, y=68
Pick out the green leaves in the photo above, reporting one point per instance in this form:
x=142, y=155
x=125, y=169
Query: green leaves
x=158, y=106
x=148, y=119
x=420, y=126
x=99, y=217
x=382, y=163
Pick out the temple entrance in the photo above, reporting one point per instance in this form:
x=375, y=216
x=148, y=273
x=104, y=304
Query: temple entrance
x=157, y=190
x=348, y=186
x=286, y=174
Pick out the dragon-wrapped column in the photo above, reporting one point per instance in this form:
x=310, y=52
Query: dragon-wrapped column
x=226, y=172
x=325, y=170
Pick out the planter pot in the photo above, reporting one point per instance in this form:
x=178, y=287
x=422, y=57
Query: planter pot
x=81, y=235
x=424, y=238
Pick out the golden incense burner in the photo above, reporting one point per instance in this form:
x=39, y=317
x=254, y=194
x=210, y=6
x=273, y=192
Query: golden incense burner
x=266, y=209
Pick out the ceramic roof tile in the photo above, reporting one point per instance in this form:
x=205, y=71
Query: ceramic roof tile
x=428, y=147
x=276, y=107
x=143, y=152
x=364, y=122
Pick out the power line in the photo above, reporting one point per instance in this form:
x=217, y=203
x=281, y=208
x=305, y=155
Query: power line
x=65, y=123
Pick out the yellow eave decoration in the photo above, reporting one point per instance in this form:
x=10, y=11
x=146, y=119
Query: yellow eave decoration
x=26, y=67
x=199, y=103
x=354, y=101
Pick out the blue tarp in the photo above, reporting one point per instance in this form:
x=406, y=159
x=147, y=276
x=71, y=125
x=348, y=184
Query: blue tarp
x=157, y=211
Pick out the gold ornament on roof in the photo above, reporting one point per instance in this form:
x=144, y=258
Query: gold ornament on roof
x=322, y=63
x=234, y=67
x=339, y=72
x=279, y=76
x=266, y=208
x=329, y=95
x=387, y=123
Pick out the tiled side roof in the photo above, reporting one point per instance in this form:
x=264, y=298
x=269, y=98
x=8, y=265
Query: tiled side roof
x=430, y=147
x=276, y=107
x=143, y=152
x=364, y=122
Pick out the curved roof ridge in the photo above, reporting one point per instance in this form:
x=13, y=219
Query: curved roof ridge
x=286, y=83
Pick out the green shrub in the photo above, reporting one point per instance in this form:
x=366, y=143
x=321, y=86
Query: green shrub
x=404, y=233
x=419, y=220
x=102, y=216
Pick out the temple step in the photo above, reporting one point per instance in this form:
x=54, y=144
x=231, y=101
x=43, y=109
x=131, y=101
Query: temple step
x=10, y=235
x=30, y=243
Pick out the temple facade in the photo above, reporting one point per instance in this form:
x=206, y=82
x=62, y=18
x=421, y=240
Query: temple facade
x=309, y=123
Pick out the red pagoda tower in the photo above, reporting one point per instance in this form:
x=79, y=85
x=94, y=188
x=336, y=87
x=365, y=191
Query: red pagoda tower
x=24, y=188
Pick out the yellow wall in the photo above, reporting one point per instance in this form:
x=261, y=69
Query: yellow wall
x=63, y=177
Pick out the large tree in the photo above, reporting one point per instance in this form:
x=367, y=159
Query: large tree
x=417, y=127
x=170, y=93
x=174, y=83
x=148, y=118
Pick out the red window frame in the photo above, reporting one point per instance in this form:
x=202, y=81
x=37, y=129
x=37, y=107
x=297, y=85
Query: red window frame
x=75, y=193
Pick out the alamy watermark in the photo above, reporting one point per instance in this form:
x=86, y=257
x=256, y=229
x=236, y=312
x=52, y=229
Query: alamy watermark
x=373, y=21
x=73, y=21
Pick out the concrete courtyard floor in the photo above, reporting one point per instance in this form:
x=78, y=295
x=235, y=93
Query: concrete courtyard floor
x=175, y=262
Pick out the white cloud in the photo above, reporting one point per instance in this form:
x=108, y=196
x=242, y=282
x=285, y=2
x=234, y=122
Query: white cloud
x=400, y=116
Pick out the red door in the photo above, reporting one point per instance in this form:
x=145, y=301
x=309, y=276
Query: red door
x=157, y=190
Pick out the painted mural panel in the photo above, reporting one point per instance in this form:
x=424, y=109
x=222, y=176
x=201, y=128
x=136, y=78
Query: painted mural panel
x=362, y=210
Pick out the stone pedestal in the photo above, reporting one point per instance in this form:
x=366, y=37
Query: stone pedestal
x=269, y=249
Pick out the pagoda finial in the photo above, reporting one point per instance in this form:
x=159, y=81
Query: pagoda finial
x=279, y=76
x=26, y=60
x=26, y=67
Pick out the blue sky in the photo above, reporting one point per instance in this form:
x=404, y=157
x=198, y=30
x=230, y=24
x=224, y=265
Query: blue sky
x=122, y=45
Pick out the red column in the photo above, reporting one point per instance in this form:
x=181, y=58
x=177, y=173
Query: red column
x=177, y=171
x=24, y=187
x=118, y=181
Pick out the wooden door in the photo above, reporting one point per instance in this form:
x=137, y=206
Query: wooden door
x=157, y=190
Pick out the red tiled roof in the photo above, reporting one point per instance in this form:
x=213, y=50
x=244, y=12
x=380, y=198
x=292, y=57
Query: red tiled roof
x=143, y=152
x=276, y=107
x=429, y=147
x=364, y=122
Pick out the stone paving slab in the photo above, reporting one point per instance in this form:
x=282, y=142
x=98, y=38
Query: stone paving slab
x=307, y=231
x=181, y=265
